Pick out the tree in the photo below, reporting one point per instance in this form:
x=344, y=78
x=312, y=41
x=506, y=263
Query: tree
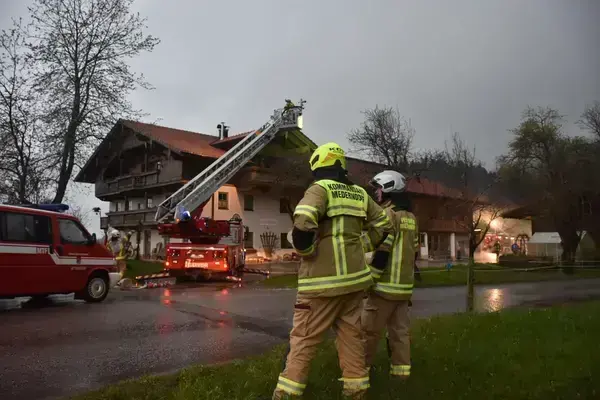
x=80, y=49
x=82, y=214
x=548, y=169
x=475, y=201
x=590, y=119
x=384, y=137
x=25, y=162
x=473, y=204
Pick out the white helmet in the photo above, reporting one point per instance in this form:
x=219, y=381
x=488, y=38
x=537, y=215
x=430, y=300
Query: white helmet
x=389, y=181
x=115, y=234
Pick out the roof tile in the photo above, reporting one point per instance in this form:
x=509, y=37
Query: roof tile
x=185, y=141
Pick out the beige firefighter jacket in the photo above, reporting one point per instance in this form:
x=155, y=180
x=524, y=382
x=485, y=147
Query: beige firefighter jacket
x=335, y=265
x=396, y=282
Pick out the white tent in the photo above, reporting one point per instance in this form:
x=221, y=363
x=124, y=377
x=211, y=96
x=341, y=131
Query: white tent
x=545, y=244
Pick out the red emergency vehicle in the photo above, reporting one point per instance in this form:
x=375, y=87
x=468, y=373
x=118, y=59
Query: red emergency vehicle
x=211, y=247
x=46, y=252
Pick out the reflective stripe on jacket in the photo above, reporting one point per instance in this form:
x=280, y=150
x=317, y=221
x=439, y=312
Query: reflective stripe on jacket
x=397, y=280
x=337, y=213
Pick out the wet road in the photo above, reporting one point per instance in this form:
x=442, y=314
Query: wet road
x=66, y=347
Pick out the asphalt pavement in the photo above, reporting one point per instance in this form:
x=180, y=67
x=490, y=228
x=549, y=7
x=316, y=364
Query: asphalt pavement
x=63, y=347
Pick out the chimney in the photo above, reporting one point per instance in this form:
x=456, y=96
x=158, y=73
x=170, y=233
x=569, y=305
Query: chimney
x=223, y=131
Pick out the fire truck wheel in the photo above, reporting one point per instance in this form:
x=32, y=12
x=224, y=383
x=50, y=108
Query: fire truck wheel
x=96, y=289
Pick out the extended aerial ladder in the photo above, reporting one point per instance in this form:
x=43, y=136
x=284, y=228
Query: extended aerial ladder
x=187, y=203
x=195, y=194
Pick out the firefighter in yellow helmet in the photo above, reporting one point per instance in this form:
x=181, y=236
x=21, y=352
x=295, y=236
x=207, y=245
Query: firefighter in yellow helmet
x=333, y=274
x=393, y=270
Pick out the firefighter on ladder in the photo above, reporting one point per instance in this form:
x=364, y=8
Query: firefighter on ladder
x=393, y=270
x=333, y=274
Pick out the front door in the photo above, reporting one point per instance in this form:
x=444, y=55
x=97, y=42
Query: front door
x=73, y=254
x=147, y=244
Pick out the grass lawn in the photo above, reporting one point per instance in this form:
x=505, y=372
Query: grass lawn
x=458, y=276
x=541, y=354
x=139, y=267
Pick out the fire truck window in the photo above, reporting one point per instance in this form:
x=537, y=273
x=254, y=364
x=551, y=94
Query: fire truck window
x=71, y=232
x=28, y=228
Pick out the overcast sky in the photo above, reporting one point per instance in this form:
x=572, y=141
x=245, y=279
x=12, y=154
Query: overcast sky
x=469, y=66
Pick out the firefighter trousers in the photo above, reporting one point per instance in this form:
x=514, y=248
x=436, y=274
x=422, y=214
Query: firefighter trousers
x=379, y=314
x=312, y=319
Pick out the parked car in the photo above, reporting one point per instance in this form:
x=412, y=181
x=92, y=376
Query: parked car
x=44, y=251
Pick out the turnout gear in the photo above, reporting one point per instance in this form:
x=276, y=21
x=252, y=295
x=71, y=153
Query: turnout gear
x=388, y=302
x=334, y=263
x=118, y=247
x=333, y=275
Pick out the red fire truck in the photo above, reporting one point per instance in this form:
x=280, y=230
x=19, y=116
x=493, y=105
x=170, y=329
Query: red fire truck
x=212, y=248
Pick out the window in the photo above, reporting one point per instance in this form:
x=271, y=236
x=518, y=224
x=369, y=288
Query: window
x=283, y=205
x=249, y=242
x=16, y=227
x=72, y=232
x=223, y=201
x=422, y=239
x=130, y=205
x=285, y=244
x=149, y=202
x=248, y=202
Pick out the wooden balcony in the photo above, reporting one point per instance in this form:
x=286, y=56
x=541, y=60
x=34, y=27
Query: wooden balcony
x=169, y=174
x=131, y=219
x=264, y=179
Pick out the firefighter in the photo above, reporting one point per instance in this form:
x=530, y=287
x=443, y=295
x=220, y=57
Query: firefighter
x=333, y=274
x=117, y=247
x=393, y=270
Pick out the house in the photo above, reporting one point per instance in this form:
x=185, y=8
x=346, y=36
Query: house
x=138, y=165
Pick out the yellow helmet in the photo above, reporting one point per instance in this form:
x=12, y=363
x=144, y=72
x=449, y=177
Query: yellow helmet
x=328, y=155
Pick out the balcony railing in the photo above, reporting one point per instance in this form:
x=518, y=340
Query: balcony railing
x=171, y=172
x=256, y=177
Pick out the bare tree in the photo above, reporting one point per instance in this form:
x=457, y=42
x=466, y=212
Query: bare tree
x=80, y=49
x=384, y=137
x=551, y=170
x=590, y=119
x=473, y=204
x=84, y=215
x=25, y=171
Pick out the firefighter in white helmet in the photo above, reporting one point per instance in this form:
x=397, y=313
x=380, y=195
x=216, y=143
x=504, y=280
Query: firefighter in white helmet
x=387, y=305
x=117, y=247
